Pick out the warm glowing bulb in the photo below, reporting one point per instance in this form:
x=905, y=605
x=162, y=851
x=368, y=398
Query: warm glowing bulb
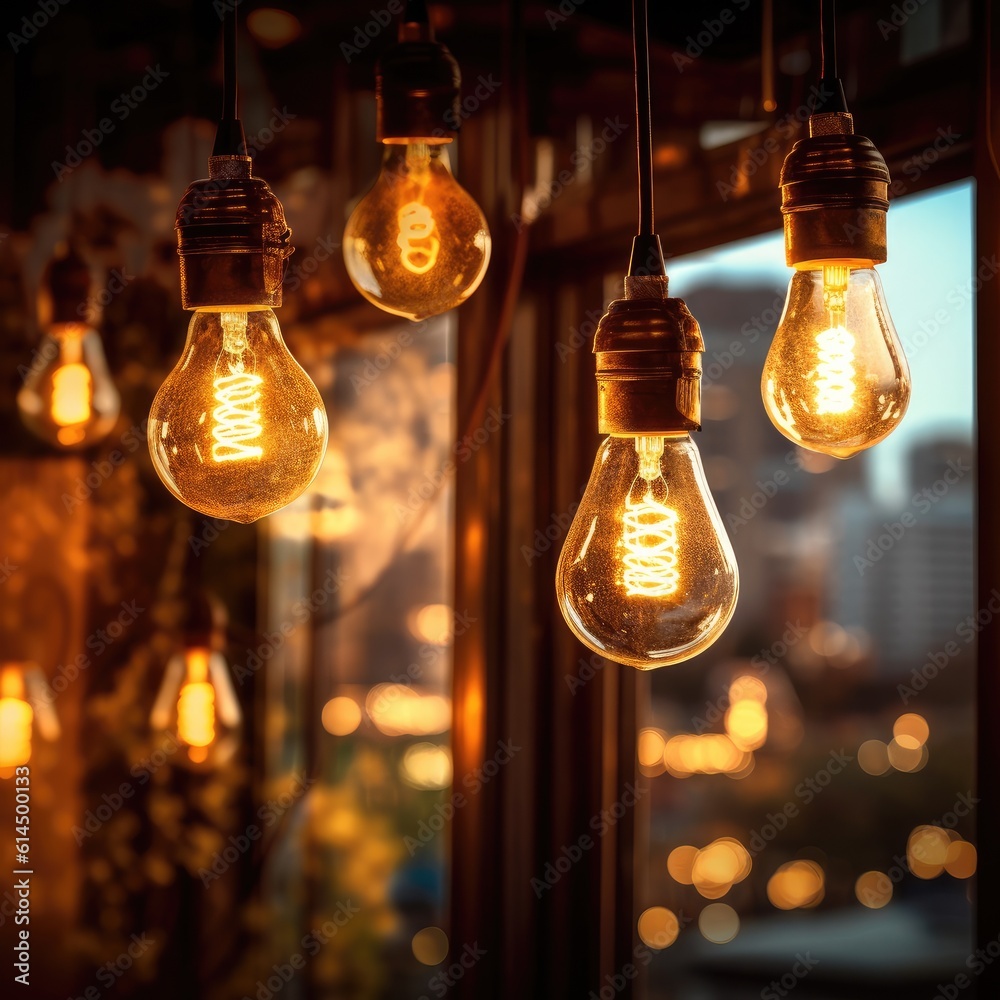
x=237, y=430
x=197, y=706
x=68, y=397
x=16, y=716
x=417, y=244
x=835, y=379
x=647, y=575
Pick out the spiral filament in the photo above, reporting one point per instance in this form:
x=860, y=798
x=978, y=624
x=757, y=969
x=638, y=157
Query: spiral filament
x=649, y=536
x=237, y=417
x=835, y=371
x=417, y=241
x=196, y=706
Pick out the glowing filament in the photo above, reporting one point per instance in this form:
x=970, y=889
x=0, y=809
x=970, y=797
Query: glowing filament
x=835, y=371
x=417, y=241
x=649, y=535
x=237, y=417
x=15, y=722
x=71, y=392
x=196, y=703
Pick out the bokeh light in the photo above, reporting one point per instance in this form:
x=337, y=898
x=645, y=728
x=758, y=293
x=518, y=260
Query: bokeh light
x=341, y=716
x=927, y=851
x=746, y=723
x=797, y=884
x=719, y=923
x=433, y=624
x=430, y=946
x=873, y=757
x=911, y=731
x=403, y=710
x=908, y=759
x=710, y=753
x=272, y=27
x=873, y=889
x=649, y=750
x=658, y=927
x=960, y=860
x=426, y=766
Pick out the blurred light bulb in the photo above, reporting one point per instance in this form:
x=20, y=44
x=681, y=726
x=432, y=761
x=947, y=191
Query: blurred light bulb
x=68, y=397
x=237, y=430
x=197, y=706
x=417, y=244
x=25, y=711
x=647, y=575
x=835, y=379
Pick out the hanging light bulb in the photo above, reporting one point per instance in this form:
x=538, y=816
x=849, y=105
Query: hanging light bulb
x=196, y=705
x=646, y=575
x=237, y=430
x=417, y=244
x=24, y=710
x=68, y=398
x=835, y=380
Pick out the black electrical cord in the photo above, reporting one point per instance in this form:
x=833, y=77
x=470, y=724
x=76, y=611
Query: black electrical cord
x=831, y=87
x=229, y=138
x=647, y=258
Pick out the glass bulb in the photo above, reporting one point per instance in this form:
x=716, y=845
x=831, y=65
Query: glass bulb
x=197, y=707
x=417, y=244
x=237, y=430
x=25, y=710
x=68, y=397
x=647, y=576
x=835, y=379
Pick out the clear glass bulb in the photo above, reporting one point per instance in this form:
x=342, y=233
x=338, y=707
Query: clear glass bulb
x=198, y=708
x=237, y=430
x=69, y=398
x=835, y=379
x=647, y=576
x=417, y=244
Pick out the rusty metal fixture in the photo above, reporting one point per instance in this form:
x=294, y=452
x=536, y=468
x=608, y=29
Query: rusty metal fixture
x=417, y=89
x=648, y=349
x=834, y=195
x=232, y=238
x=66, y=287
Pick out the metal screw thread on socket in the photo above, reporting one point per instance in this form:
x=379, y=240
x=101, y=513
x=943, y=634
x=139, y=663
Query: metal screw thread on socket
x=834, y=194
x=232, y=238
x=417, y=89
x=648, y=349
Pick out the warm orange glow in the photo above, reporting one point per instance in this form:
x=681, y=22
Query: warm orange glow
x=649, y=747
x=434, y=624
x=430, y=946
x=16, y=717
x=748, y=688
x=72, y=389
x=719, y=866
x=927, y=851
x=905, y=758
x=341, y=716
x=746, y=724
x=426, y=766
x=797, y=884
x=960, y=860
x=709, y=753
x=873, y=757
x=658, y=927
x=680, y=863
x=196, y=702
x=401, y=710
x=911, y=731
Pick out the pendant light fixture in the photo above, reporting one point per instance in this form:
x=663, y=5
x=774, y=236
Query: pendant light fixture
x=68, y=398
x=835, y=379
x=647, y=575
x=417, y=244
x=196, y=706
x=237, y=430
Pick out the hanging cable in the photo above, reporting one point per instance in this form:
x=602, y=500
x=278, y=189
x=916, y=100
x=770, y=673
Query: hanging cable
x=229, y=138
x=832, y=89
x=647, y=258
